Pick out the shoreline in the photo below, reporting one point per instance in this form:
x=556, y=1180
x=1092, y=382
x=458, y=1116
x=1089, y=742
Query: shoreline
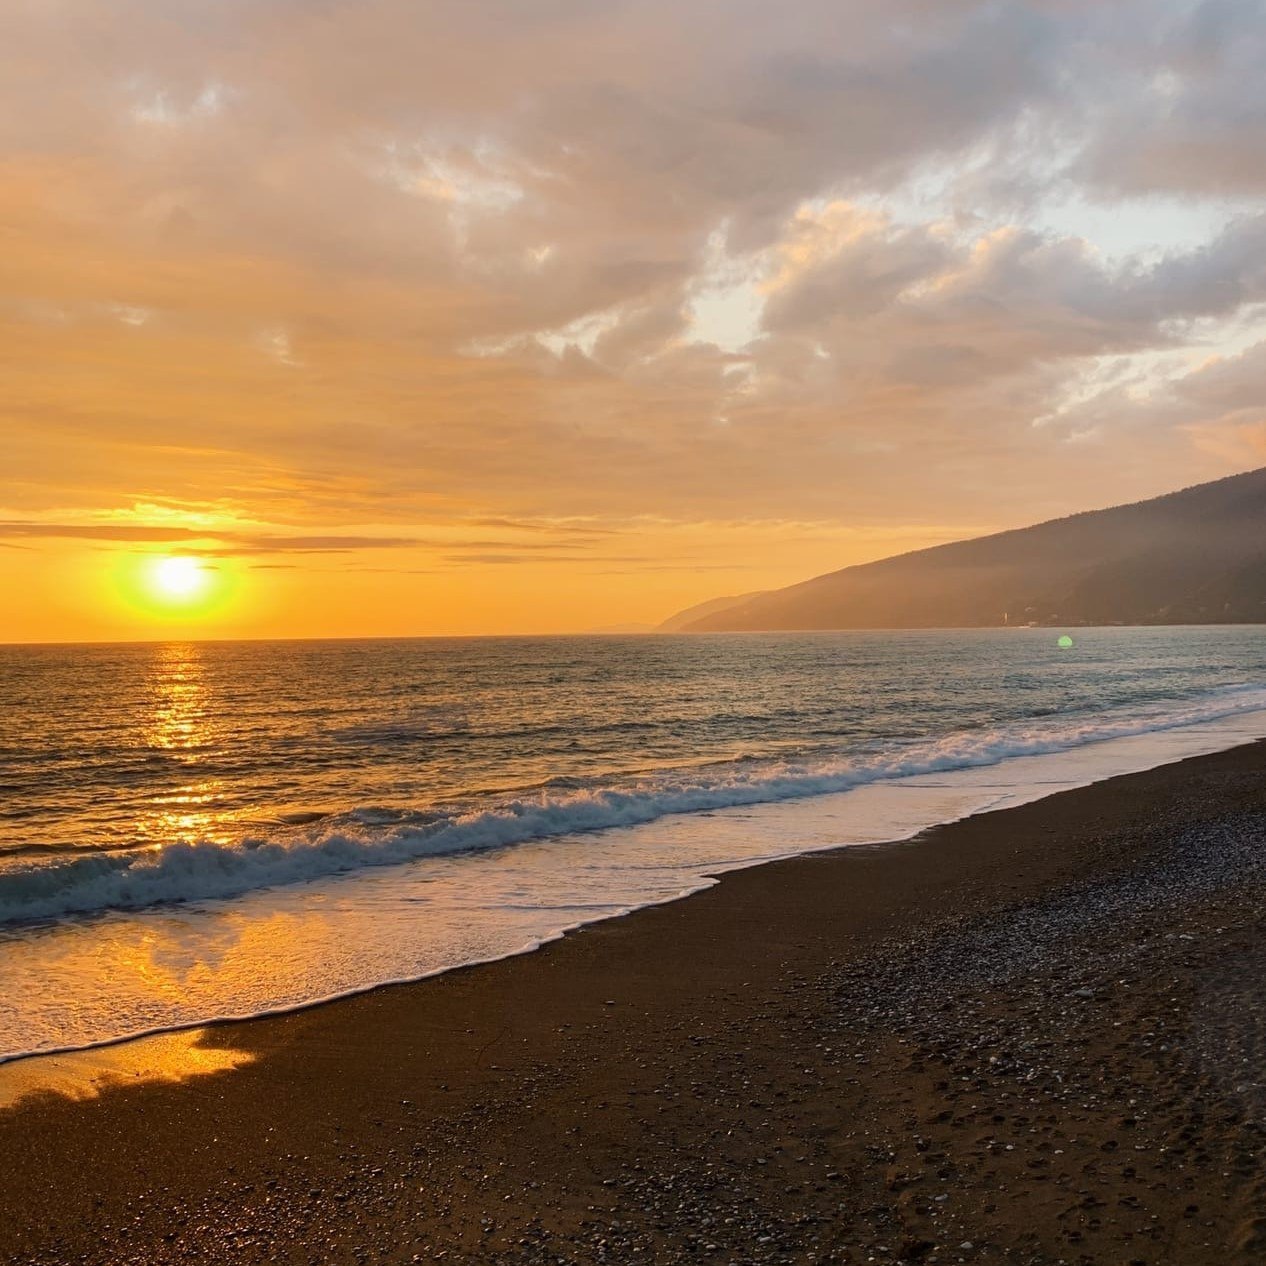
x=665, y=859
x=426, y=1110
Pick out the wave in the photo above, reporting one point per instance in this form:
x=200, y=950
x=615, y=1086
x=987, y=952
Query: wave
x=183, y=872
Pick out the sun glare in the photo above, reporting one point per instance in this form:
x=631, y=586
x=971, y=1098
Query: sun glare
x=180, y=576
x=176, y=589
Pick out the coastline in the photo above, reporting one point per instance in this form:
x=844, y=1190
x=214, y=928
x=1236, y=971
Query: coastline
x=732, y=1055
x=184, y=964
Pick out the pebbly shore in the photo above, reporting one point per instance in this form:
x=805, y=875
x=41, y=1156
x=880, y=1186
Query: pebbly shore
x=1036, y=1036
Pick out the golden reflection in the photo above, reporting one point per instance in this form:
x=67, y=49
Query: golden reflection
x=79, y=1075
x=179, y=725
x=179, y=697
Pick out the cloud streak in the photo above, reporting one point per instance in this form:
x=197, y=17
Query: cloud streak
x=227, y=542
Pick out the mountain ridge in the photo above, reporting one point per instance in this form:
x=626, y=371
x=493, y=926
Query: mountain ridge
x=1196, y=555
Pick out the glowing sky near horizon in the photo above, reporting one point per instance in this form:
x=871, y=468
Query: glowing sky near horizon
x=505, y=317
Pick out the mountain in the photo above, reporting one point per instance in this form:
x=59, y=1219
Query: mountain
x=714, y=606
x=1192, y=557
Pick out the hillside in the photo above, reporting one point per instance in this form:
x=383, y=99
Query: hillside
x=1191, y=557
x=714, y=606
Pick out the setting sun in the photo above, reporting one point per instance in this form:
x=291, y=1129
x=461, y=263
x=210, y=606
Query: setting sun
x=184, y=591
x=180, y=577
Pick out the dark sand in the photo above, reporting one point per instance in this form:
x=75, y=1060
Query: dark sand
x=1035, y=1036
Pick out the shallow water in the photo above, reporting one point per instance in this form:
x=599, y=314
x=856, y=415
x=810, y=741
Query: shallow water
x=197, y=831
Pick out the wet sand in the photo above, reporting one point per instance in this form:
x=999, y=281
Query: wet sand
x=1035, y=1036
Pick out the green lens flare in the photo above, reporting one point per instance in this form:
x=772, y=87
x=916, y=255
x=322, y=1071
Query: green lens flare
x=1065, y=642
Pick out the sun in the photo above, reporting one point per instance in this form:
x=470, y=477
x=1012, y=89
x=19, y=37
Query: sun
x=179, y=578
x=177, y=590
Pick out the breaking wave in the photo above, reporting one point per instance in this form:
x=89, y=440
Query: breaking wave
x=34, y=887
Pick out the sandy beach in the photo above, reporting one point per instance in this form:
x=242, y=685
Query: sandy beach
x=1033, y=1036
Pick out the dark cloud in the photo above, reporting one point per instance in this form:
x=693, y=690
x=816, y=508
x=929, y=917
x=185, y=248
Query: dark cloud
x=317, y=544
x=523, y=525
x=103, y=532
x=232, y=543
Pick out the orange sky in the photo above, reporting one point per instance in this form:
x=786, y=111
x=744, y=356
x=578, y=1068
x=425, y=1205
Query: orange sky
x=452, y=318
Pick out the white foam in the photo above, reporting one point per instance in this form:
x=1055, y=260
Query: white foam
x=83, y=983
x=42, y=888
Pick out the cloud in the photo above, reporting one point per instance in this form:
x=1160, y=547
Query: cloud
x=567, y=545
x=1197, y=112
x=571, y=527
x=542, y=269
x=98, y=532
x=230, y=543
x=315, y=544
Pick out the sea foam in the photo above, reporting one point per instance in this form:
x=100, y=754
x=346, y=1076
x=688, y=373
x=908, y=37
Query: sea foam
x=45, y=888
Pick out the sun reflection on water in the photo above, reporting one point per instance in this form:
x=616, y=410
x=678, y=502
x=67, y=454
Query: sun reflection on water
x=179, y=691
x=181, y=727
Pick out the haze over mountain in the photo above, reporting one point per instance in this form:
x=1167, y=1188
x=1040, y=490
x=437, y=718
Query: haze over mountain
x=1192, y=557
x=701, y=610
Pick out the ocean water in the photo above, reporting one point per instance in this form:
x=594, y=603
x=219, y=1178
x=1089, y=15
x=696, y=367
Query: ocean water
x=194, y=831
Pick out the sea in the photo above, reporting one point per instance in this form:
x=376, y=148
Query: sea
x=200, y=831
